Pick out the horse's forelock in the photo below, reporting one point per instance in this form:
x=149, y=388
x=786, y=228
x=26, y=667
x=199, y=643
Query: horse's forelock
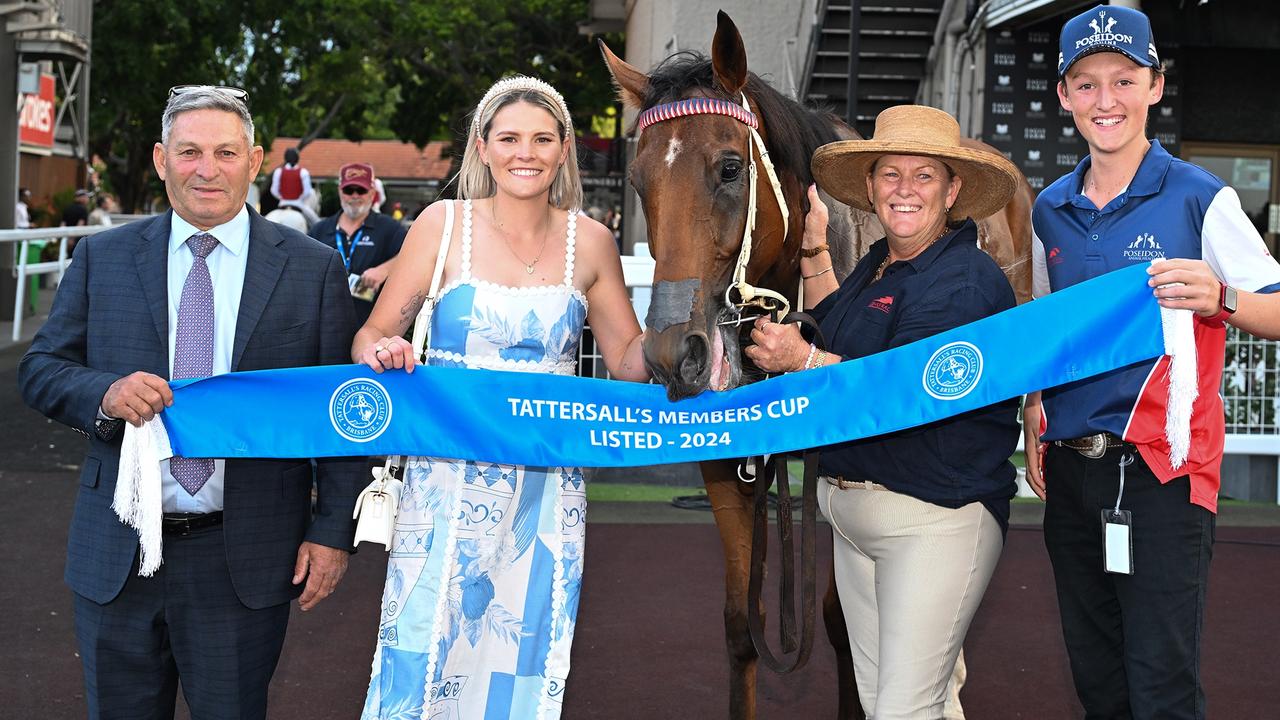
x=794, y=132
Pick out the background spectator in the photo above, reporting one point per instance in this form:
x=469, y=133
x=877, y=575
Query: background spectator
x=100, y=213
x=22, y=212
x=77, y=213
x=291, y=185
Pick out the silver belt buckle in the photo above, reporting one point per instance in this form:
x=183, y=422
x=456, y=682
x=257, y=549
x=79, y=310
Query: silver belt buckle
x=1097, y=446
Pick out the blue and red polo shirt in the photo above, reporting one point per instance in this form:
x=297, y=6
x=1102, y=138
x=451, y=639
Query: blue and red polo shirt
x=1171, y=209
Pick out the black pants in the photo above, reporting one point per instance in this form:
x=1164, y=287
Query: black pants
x=184, y=624
x=1134, y=640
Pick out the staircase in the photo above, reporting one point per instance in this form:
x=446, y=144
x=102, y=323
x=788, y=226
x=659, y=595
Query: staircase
x=888, y=56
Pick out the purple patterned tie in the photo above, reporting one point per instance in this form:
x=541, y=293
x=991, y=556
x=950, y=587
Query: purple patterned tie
x=193, y=348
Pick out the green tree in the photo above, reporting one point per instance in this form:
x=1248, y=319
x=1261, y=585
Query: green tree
x=446, y=54
x=326, y=68
x=303, y=65
x=131, y=77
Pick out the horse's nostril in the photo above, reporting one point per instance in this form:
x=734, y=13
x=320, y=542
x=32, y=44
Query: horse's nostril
x=693, y=361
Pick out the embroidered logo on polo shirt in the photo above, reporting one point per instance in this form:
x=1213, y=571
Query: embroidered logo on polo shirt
x=1054, y=257
x=883, y=304
x=1144, y=247
x=953, y=371
x=360, y=409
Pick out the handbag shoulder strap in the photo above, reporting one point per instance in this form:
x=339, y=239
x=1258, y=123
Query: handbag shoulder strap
x=445, y=238
x=421, y=326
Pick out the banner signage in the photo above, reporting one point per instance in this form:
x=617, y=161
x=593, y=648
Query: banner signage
x=37, y=115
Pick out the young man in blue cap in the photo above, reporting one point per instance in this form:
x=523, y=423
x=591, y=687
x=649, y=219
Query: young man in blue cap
x=1130, y=531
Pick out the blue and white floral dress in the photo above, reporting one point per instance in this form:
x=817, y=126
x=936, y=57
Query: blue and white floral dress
x=485, y=571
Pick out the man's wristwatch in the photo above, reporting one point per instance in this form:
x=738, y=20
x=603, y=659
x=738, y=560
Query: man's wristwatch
x=1227, y=299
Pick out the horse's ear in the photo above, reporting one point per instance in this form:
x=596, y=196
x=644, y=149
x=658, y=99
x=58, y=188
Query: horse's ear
x=728, y=55
x=633, y=85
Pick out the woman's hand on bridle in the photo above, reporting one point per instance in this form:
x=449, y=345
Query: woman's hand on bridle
x=777, y=347
x=388, y=354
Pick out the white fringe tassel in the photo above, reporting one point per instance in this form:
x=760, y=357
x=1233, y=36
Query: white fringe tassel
x=1180, y=346
x=138, y=496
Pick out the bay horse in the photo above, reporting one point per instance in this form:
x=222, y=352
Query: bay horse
x=692, y=172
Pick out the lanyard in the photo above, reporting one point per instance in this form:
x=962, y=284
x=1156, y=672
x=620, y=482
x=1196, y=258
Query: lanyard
x=342, y=249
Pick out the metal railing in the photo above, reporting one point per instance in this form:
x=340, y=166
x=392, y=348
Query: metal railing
x=1251, y=397
x=23, y=269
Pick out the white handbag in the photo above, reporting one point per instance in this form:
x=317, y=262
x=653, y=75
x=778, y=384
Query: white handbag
x=377, y=505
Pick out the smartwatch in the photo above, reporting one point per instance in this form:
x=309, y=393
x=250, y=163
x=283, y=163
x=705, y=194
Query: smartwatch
x=1227, y=299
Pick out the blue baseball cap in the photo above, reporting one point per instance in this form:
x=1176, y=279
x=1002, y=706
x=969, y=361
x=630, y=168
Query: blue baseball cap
x=1107, y=28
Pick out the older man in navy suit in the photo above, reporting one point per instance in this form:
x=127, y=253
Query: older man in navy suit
x=208, y=288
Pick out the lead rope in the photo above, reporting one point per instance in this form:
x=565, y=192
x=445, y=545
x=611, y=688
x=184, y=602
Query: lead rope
x=802, y=644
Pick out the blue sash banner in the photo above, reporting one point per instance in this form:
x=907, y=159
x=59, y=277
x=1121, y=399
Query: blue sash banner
x=547, y=420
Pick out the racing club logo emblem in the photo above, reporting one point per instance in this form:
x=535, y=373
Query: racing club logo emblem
x=360, y=409
x=953, y=371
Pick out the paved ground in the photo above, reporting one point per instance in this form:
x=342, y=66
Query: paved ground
x=649, y=641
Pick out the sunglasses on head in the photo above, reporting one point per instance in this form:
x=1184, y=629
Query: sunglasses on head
x=235, y=92
x=354, y=190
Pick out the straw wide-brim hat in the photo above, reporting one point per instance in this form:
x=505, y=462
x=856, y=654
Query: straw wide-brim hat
x=988, y=179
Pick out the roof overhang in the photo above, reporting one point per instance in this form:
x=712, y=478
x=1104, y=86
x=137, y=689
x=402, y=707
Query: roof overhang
x=604, y=16
x=1023, y=12
x=52, y=45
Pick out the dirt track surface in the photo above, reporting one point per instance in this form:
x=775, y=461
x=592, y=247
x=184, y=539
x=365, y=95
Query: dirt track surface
x=649, y=637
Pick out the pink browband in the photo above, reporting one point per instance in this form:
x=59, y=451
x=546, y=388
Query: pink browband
x=696, y=106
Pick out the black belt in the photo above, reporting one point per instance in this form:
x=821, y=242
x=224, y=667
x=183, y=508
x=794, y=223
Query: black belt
x=185, y=523
x=1093, y=446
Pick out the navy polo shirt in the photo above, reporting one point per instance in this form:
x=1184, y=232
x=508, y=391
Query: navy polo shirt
x=1171, y=209
x=951, y=462
x=376, y=242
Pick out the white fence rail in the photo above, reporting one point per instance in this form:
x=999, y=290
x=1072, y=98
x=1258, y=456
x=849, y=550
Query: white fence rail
x=23, y=269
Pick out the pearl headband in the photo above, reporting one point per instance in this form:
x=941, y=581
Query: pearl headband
x=521, y=82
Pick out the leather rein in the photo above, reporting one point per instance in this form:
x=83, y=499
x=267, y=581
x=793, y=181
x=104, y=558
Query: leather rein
x=739, y=296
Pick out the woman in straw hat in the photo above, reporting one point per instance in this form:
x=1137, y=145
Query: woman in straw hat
x=486, y=563
x=919, y=515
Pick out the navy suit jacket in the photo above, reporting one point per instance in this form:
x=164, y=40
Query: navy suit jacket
x=110, y=319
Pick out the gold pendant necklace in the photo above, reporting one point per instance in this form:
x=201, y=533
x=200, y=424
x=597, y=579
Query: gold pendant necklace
x=528, y=266
x=880, y=270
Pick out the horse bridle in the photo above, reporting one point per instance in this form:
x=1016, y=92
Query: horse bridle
x=775, y=304
x=748, y=295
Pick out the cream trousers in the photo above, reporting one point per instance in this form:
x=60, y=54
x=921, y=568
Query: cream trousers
x=911, y=576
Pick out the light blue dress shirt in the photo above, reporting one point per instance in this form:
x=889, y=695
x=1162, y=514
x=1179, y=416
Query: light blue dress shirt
x=227, y=265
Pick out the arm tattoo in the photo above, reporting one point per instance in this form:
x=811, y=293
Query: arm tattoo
x=409, y=312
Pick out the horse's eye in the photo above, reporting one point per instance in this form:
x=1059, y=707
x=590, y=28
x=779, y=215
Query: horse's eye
x=730, y=170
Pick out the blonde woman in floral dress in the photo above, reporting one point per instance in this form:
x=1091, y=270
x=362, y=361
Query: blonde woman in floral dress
x=485, y=571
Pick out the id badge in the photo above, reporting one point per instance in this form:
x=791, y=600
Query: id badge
x=1117, y=541
x=358, y=291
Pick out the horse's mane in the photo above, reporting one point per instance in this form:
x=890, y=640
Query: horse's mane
x=794, y=131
